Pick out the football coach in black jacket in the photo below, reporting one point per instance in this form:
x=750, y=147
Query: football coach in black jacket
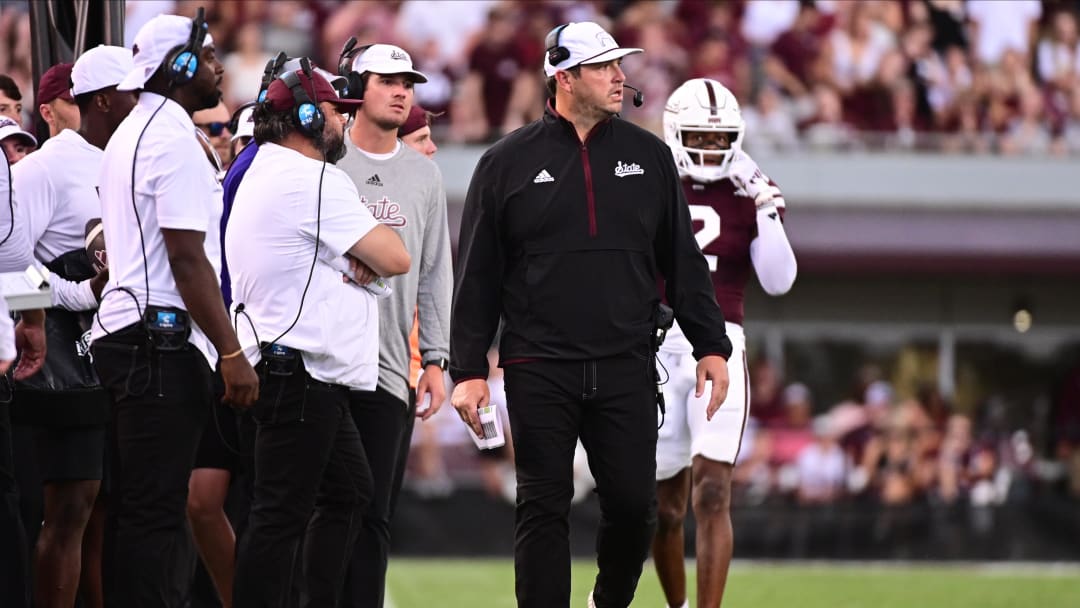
x=569, y=223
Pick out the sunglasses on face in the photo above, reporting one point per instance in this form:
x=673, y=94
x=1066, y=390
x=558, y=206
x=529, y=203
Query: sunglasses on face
x=215, y=129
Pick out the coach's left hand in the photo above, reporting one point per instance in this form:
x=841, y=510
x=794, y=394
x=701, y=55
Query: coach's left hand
x=712, y=368
x=431, y=382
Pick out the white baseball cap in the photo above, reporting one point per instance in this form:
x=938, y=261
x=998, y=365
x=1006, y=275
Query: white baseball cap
x=588, y=43
x=245, y=124
x=100, y=67
x=9, y=128
x=153, y=43
x=386, y=59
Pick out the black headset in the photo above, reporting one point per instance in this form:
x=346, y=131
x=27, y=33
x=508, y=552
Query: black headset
x=556, y=53
x=356, y=83
x=270, y=72
x=309, y=118
x=182, y=63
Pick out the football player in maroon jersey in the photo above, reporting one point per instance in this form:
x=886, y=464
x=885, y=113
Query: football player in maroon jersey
x=738, y=216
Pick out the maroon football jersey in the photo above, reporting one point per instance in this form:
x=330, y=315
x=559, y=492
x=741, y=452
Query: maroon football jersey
x=724, y=223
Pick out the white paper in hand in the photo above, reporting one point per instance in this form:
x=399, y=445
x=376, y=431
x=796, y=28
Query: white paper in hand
x=491, y=422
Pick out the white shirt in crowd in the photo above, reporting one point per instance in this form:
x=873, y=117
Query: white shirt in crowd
x=56, y=187
x=174, y=188
x=270, y=244
x=822, y=469
x=1002, y=26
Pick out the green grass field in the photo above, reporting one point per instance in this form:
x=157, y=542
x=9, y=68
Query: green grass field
x=418, y=583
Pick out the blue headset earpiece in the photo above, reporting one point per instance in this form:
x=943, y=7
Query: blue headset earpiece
x=183, y=62
x=309, y=118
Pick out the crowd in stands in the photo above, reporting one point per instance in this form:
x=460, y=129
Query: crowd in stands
x=977, y=76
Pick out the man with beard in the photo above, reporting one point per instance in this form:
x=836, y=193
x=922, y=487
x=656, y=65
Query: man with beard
x=312, y=333
x=404, y=191
x=161, y=324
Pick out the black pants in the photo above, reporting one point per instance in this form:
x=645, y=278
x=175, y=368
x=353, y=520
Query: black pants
x=308, y=456
x=611, y=405
x=385, y=424
x=14, y=571
x=160, y=404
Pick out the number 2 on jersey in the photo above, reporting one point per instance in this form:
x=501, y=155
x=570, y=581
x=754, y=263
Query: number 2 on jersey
x=709, y=232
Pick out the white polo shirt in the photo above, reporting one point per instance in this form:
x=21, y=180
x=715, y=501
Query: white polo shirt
x=56, y=187
x=174, y=188
x=270, y=244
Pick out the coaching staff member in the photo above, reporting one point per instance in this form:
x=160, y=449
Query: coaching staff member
x=568, y=224
x=313, y=336
x=161, y=323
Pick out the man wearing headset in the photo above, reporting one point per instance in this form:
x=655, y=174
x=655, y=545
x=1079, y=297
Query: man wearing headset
x=161, y=326
x=404, y=191
x=311, y=327
x=568, y=224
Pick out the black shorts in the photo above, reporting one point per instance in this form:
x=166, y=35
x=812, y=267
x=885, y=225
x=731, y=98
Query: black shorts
x=219, y=447
x=70, y=453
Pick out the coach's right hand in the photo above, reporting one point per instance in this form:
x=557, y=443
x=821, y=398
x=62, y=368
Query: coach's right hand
x=467, y=398
x=241, y=382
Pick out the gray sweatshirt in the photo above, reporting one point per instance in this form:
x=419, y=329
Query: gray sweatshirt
x=405, y=192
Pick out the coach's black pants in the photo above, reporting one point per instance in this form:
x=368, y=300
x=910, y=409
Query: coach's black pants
x=161, y=401
x=611, y=405
x=308, y=456
x=385, y=424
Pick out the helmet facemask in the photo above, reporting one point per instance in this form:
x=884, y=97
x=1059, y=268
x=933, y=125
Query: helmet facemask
x=702, y=105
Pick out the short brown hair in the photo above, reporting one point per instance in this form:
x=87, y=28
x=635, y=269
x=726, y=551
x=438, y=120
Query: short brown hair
x=551, y=86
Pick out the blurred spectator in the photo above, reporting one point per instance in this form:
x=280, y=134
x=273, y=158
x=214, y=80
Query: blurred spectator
x=501, y=77
x=946, y=20
x=1027, y=134
x=136, y=14
x=856, y=49
x=998, y=27
x=16, y=142
x=289, y=28
x=244, y=65
x=1058, y=56
x=450, y=25
x=10, y=99
x=795, y=431
x=214, y=123
x=821, y=466
x=766, y=400
x=793, y=63
x=770, y=126
x=827, y=130
x=764, y=20
x=15, y=57
x=55, y=103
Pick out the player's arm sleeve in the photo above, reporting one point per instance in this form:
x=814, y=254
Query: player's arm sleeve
x=771, y=253
x=71, y=295
x=477, y=301
x=688, y=286
x=436, y=285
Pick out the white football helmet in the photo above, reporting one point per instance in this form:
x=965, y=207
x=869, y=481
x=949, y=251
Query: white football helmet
x=703, y=104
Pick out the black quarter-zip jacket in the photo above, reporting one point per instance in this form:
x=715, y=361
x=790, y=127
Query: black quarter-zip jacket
x=565, y=240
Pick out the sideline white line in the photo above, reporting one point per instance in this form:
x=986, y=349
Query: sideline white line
x=1057, y=568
